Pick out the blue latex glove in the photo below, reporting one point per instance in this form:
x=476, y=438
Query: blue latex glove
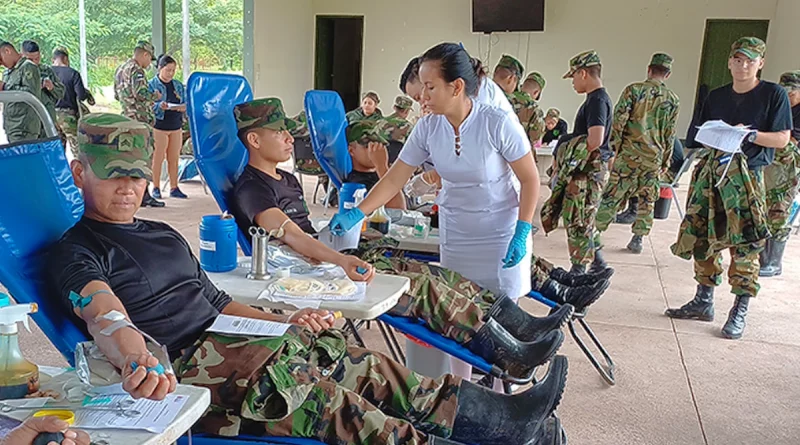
x=343, y=222
x=158, y=369
x=517, y=248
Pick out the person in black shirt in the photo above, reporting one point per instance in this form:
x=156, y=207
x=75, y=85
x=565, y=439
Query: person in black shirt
x=68, y=109
x=168, y=130
x=594, y=122
x=367, y=146
x=732, y=213
x=555, y=126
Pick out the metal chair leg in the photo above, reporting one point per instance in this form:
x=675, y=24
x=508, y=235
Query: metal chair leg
x=607, y=371
x=391, y=342
x=676, y=201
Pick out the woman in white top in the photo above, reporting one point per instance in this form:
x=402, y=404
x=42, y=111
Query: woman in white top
x=490, y=183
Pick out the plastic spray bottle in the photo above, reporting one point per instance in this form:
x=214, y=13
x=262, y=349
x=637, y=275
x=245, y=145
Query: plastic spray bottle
x=18, y=377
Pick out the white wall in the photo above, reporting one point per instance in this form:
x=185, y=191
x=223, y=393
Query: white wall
x=283, y=50
x=783, y=48
x=624, y=32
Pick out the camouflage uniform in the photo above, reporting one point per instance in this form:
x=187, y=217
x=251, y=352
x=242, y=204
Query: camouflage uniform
x=20, y=122
x=731, y=216
x=305, y=166
x=527, y=109
x=50, y=98
x=358, y=113
x=576, y=194
x=642, y=137
x=397, y=128
x=782, y=177
x=68, y=123
x=132, y=91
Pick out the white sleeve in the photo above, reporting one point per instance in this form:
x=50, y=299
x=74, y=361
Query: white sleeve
x=512, y=140
x=416, y=149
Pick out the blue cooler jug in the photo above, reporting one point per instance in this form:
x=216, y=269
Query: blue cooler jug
x=347, y=195
x=218, y=243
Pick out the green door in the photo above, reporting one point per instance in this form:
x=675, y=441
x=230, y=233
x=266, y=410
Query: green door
x=720, y=34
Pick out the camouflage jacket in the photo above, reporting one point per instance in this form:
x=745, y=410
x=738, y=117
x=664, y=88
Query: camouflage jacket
x=19, y=119
x=398, y=128
x=529, y=113
x=358, y=115
x=644, y=124
x=50, y=98
x=132, y=91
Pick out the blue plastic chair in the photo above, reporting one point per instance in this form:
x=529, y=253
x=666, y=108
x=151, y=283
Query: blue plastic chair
x=220, y=155
x=327, y=125
x=32, y=218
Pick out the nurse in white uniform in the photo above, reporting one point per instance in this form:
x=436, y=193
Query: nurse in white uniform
x=490, y=183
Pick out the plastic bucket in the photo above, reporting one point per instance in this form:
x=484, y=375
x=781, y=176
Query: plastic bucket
x=347, y=195
x=218, y=243
x=663, y=204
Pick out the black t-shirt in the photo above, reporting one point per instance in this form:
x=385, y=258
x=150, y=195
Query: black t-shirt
x=557, y=131
x=369, y=179
x=149, y=267
x=256, y=191
x=74, y=90
x=764, y=108
x=595, y=111
x=796, y=122
x=173, y=120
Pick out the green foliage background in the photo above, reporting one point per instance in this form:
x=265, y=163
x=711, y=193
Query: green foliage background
x=114, y=26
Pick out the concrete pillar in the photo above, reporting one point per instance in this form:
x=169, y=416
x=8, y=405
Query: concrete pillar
x=248, y=56
x=186, y=51
x=159, y=39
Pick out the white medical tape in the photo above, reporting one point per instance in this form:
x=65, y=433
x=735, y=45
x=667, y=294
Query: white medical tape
x=279, y=232
x=119, y=321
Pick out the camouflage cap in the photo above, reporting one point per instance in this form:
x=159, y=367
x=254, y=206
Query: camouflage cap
x=144, y=45
x=115, y=146
x=790, y=80
x=752, y=47
x=554, y=113
x=662, y=59
x=403, y=103
x=365, y=131
x=262, y=113
x=511, y=64
x=538, y=78
x=582, y=60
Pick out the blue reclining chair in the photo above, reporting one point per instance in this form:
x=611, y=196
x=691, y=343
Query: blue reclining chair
x=44, y=204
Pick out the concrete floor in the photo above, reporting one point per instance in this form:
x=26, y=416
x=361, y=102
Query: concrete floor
x=677, y=382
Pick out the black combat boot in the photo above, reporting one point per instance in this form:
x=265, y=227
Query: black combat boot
x=734, y=327
x=524, y=326
x=629, y=215
x=579, y=297
x=598, y=264
x=148, y=200
x=578, y=269
x=763, y=258
x=700, y=308
x=485, y=417
x=497, y=346
x=551, y=433
x=635, y=245
x=774, y=264
x=588, y=279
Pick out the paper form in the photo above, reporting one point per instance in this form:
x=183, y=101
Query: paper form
x=724, y=137
x=156, y=416
x=228, y=324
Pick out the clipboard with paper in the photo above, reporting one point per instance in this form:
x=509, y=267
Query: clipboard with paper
x=723, y=137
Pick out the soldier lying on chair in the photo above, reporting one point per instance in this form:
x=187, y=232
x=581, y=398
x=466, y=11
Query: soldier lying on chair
x=307, y=383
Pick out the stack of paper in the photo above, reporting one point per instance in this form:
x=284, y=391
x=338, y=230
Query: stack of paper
x=719, y=135
x=155, y=416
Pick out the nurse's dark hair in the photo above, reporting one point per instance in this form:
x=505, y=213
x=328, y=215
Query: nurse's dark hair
x=456, y=63
x=410, y=74
x=164, y=60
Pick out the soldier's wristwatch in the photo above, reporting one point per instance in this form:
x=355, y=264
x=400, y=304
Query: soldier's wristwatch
x=752, y=136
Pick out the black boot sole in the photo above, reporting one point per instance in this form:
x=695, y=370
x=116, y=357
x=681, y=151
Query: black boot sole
x=731, y=336
x=689, y=317
x=769, y=274
x=635, y=250
x=559, y=368
x=552, y=433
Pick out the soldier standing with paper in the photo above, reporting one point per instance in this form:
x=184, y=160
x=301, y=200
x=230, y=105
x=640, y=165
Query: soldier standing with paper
x=730, y=212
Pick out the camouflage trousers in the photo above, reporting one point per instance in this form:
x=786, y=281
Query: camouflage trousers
x=781, y=179
x=625, y=182
x=581, y=199
x=742, y=273
x=317, y=387
x=67, y=121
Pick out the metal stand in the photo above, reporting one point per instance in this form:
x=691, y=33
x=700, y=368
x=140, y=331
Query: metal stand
x=391, y=341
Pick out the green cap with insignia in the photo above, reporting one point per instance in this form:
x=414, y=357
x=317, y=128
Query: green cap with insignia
x=790, y=80
x=538, y=78
x=403, y=103
x=662, y=59
x=582, y=60
x=262, y=113
x=115, y=146
x=144, y=45
x=365, y=131
x=752, y=47
x=511, y=64
x=554, y=113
